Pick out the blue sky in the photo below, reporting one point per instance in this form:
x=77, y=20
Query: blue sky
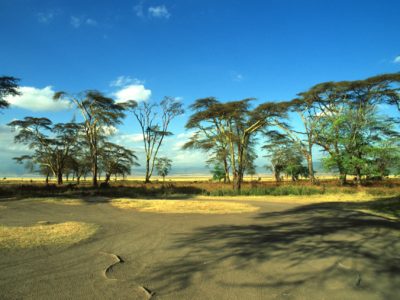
x=190, y=49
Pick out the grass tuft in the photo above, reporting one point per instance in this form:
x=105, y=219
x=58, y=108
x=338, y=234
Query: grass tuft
x=45, y=234
x=184, y=206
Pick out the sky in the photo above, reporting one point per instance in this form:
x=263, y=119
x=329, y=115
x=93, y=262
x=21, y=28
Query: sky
x=145, y=50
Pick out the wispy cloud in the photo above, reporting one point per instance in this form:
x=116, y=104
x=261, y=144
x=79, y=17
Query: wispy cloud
x=237, y=77
x=124, y=81
x=139, y=10
x=397, y=60
x=77, y=22
x=45, y=17
x=151, y=12
x=159, y=12
x=36, y=99
x=91, y=22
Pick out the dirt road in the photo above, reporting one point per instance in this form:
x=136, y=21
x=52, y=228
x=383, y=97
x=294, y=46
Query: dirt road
x=282, y=251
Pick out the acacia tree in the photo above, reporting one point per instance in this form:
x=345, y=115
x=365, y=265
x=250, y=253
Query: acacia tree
x=98, y=112
x=208, y=137
x=309, y=112
x=78, y=161
x=116, y=160
x=163, y=166
x=154, y=121
x=50, y=151
x=237, y=124
x=347, y=124
x=8, y=87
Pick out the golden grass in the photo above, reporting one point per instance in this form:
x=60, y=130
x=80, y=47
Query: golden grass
x=43, y=234
x=378, y=214
x=184, y=206
x=306, y=199
x=3, y=207
x=71, y=202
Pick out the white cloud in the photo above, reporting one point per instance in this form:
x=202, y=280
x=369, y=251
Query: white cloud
x=91, y=22
x=138, y=9
x=130, y=140
x=159, y=12
x=77, y=22
x=124, y=81
x=397, y=59
x=135, y=92
x=36, y=99
x=45, y=17
x=109, y=130
x=134, y=137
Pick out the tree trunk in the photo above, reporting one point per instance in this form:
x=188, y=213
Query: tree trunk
x=226, y=169
x=310, y=167
x=147, y=178
x=94, y=171
x=47, y=178
x=237, y=181
x=358, y=176
x=107, y=178
x=59, y=177
x=78, y=179
x=237, y=184
x=342, y=178
x=277, y=174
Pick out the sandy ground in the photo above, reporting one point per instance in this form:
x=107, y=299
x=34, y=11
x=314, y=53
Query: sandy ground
x=281, y=251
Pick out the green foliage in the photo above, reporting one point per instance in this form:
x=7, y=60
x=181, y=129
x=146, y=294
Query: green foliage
x=285, y=158
x=116, y=160
x=8, y=87
x=163, y=166
x=218, y=172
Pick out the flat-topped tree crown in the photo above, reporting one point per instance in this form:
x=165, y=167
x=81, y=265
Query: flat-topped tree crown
x=228, y=129
x=98, y=112
x=8, y=87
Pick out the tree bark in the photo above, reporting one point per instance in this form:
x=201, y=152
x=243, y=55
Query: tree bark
x=94, y=171
x=107, y=178
x=59, y=177
x=358, y=176
x=237, y=184
x=310, y=166
x=147, y=178
x=226, y=169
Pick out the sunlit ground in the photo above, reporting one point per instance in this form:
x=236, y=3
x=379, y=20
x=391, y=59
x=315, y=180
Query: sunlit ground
x=44, y=234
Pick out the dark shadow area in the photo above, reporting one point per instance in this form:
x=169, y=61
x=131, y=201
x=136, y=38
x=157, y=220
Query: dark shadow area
x=315, y=247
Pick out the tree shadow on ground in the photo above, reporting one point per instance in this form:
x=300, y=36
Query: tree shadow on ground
x=310, y=246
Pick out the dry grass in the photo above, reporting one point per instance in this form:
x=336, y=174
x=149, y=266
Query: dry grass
x=184, y=206
x=69, y=202
x=378, y=214
x=43, y=234
x=306, y=199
